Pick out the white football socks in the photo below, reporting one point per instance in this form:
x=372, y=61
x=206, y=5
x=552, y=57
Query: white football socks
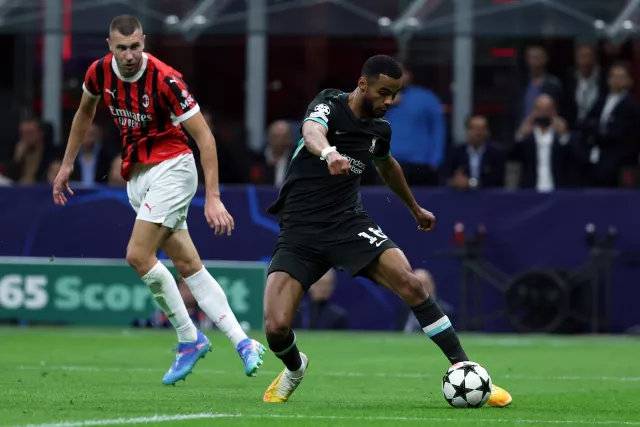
x=166, y=293
x=213, y=301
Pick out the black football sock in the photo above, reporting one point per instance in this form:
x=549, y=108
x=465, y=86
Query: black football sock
x=287, y=351
x=437, y=326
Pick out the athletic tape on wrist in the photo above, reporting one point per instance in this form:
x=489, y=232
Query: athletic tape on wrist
x=326, y=151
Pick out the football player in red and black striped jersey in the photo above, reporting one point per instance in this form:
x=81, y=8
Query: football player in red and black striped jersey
x=152, y=107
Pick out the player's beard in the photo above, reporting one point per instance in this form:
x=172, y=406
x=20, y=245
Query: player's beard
x=369, y=111
x=367, y=107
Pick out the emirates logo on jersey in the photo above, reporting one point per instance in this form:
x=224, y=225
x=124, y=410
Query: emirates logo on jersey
x=128, y=119
x=145, y=100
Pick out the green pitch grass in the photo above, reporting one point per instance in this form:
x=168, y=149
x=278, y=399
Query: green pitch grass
x=78, y=377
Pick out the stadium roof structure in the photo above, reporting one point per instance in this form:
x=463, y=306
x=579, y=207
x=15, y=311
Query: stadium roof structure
x=614, y=19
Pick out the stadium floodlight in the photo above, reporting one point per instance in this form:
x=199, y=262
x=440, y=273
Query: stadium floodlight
x=195, y=15
x=411, y=11
x=620, y=23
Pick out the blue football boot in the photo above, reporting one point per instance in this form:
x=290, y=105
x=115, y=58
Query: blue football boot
x=188, y=354
x=250, y=352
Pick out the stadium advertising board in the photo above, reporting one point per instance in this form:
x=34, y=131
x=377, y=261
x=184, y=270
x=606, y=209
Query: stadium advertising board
x=107, y=292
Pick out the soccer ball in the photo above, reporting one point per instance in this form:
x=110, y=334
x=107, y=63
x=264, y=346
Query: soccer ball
x=466, y=385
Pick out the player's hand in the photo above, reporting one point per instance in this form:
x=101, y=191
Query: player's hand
x=61, y=184
x=338, y=164
x=425, y=219
x=218, y=217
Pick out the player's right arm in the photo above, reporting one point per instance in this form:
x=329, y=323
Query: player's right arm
x=81, y=123
x=316, y=142
x=314, y=133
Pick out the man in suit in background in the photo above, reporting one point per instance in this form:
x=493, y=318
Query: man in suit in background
x=94, y=160
x=587, y=84
x=478, y=163
x=612, y=140
x=270, y=166
x=544, y=148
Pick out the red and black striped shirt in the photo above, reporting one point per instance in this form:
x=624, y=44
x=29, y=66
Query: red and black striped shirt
x=147, y=108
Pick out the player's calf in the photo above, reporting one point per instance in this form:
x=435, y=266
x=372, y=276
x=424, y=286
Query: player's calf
x=163, y=287
x=282, y=342
x=393, y=271
x=432, y=319
x=438, y=327
x=282, y=297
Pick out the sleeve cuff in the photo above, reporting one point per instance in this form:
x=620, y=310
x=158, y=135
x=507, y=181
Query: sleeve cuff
x=188, y=114
x=91, y=95
x=317, y=120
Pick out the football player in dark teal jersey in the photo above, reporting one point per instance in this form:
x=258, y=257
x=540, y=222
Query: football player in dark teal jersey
x=323, y=223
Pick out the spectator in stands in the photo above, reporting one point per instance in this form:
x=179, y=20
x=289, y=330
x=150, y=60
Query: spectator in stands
x=115, y=179
x=612, y=141
x=539, y=82
x=32, y=155
x=479, y=162
x=54, y=168
x=586, y=85
x=317, y=312
x=94, y=161
x=271, y=166
x=418, y=132
x=544, y=148
x=234, y=159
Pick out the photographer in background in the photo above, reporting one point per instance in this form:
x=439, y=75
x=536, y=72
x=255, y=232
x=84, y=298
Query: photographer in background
x=544, y=148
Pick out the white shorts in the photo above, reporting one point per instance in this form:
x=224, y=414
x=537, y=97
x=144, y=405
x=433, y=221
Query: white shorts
x=161, y=192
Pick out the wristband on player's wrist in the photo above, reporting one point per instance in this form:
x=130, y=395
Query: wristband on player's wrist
x=326, y=151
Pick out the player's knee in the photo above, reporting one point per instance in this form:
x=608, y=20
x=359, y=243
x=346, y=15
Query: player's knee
x=140, y=261
x=410, y=289
x=276, y=328
x=187, y=267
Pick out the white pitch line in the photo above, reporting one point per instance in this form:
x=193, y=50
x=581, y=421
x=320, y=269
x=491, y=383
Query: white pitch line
x=329, y=374
x=184, y=417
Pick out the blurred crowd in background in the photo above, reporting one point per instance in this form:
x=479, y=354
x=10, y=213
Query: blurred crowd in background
x=563, y=131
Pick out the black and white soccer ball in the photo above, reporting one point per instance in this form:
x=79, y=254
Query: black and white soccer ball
x=466, y=385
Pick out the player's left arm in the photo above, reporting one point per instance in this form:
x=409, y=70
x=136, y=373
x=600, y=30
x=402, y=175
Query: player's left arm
x=391, y=173
x=186, y=111
x=214, y=211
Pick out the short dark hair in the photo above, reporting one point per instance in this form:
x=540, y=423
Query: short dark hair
x=621, y=63
x=474, y=116
x=537, y=47
x=35, y=120
x=585, y=45
x=381, y=64
x=125, y=25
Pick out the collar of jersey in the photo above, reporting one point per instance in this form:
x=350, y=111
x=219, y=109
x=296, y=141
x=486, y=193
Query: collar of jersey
x=134, y=78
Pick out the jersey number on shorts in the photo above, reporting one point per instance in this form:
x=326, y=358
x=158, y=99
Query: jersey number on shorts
x=378, y=237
